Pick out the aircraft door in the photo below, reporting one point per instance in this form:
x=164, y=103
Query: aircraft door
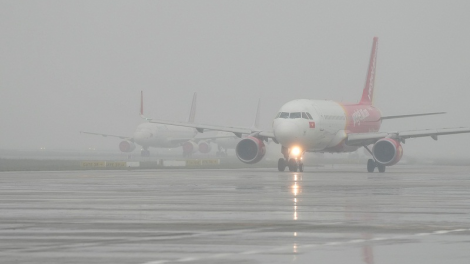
x=321, y=130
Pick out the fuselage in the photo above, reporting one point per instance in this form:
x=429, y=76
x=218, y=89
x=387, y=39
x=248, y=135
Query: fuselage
x=323, y=125
x=161, y=136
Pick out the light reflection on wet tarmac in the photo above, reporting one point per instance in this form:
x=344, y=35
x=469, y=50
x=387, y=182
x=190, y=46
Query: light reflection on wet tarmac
x=407, y=215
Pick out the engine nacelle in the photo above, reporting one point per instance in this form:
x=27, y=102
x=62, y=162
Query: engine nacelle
x=204, y=147
x=387, y=151
x=126, y=146
x=250, y=150
x=189, y=147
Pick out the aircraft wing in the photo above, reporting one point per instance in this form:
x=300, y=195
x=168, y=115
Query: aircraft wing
x=107, y=135
x=238, y=131
x=196, y=139
x=410, y=115
x=363, y=139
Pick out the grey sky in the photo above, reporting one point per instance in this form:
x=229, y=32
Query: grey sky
x=68, y=66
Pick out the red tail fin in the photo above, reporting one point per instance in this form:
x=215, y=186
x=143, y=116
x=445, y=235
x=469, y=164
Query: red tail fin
x=368, y=93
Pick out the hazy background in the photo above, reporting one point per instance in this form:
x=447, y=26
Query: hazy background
x=67, y=66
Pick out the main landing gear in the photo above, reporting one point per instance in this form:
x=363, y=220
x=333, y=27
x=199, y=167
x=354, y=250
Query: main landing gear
x=294, y=163
x=372, y=164
x=145, y=153
x=221, y=152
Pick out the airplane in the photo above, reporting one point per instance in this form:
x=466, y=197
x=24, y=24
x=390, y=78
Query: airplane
x=305, y=125
x=163, y=136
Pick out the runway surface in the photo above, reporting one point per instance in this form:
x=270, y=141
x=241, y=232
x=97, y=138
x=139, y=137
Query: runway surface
x=325, y=215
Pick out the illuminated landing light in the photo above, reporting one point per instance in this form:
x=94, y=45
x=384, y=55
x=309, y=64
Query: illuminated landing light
x=295, y=248
x=295, y=151
x=295, y=177
x=295, y=234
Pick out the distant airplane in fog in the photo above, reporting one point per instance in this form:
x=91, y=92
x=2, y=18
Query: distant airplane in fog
x=163, y=136
x=305, y=125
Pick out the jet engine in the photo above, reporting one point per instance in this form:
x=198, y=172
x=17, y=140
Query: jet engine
x=189, y=147
x=126, y=146
x=250, y=150
x=204, y=147
x=387, y=151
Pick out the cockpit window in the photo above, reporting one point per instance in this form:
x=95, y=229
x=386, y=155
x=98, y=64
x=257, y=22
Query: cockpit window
x=304, y=115
x=309, y=116
x=295, y=115
x=284, y=115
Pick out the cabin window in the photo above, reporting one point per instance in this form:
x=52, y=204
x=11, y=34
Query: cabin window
x=295, y=115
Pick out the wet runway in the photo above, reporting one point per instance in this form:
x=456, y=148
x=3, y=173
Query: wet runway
x=325, y=215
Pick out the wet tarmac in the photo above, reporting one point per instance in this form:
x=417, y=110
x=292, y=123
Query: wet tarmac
x=335, y=214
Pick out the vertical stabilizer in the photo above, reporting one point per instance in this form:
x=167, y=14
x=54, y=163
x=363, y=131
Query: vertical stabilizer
x=192, y=114
x=256, y=123
x=368, y=93
x=141, y=103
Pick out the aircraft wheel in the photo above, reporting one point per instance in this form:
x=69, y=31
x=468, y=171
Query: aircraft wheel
x=292, y=165
x=381, y=167
x=301, y=167
x=281, y=164
x=371, y=165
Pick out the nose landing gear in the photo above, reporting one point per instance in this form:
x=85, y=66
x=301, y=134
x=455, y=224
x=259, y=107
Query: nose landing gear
x=294, y=164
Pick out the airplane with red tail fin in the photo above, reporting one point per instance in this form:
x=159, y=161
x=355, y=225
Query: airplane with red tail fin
x=306, y=125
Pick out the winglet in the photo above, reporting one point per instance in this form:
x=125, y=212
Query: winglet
x=256, y=123
x=192, y=114
x=368, y=92
x=141, y=103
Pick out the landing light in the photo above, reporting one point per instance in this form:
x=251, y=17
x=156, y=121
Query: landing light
x=295, y=151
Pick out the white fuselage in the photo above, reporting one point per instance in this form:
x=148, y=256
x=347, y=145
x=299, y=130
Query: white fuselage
x=323, y=131
x=162, y=136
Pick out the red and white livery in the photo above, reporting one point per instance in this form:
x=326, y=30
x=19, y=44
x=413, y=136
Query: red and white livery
x=306, y=125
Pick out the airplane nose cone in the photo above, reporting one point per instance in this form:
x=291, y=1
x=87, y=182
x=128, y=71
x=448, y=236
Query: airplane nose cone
x=287, y=134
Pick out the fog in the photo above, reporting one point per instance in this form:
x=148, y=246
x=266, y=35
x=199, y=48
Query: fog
x=68, y=66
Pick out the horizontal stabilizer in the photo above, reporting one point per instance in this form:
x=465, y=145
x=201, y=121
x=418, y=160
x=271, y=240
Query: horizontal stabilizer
x=411, y=115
